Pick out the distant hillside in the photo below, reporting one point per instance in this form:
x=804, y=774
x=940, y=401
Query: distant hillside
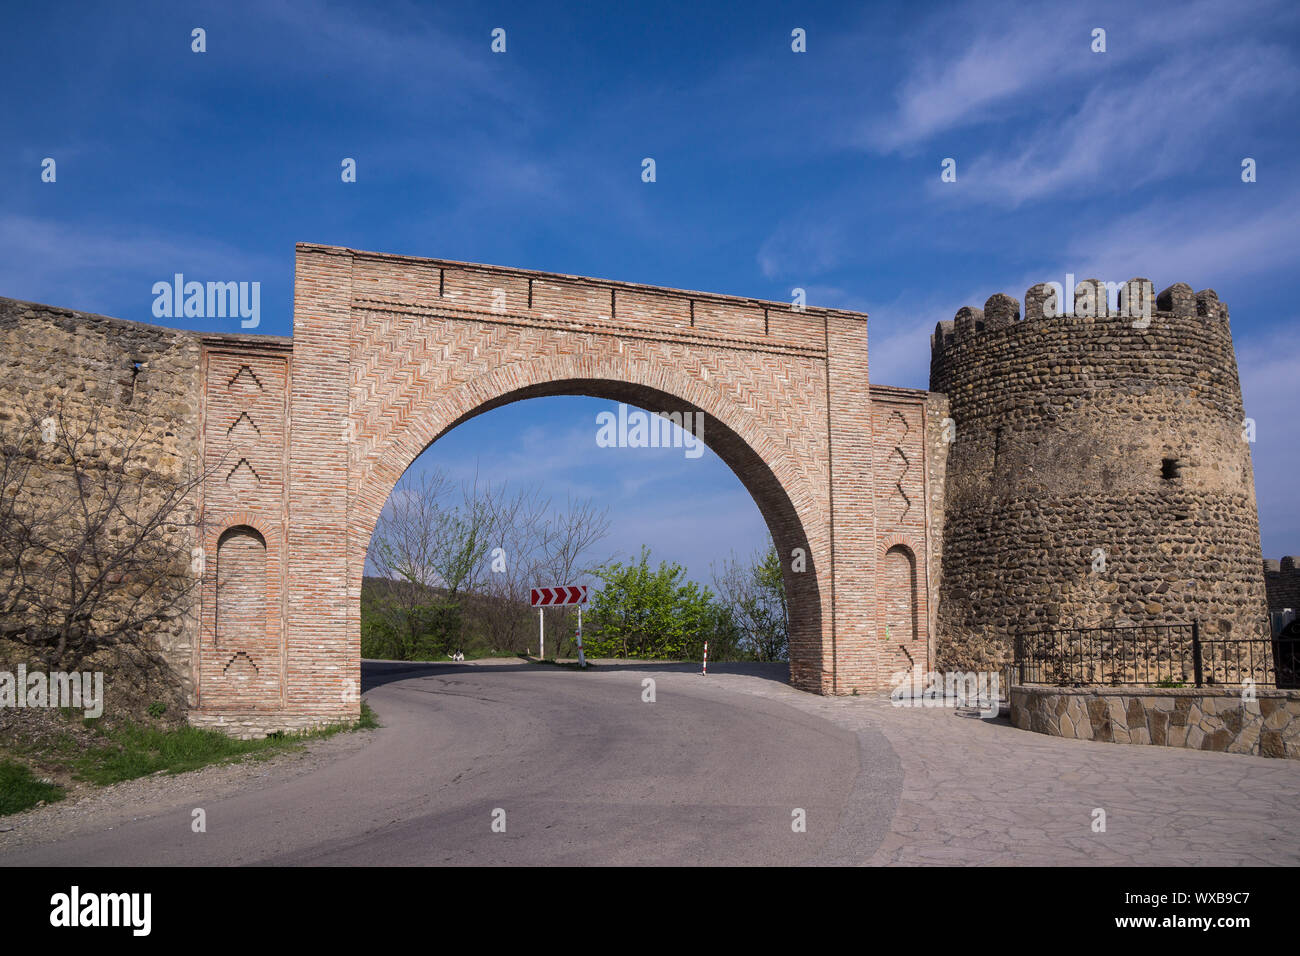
x=402, y=621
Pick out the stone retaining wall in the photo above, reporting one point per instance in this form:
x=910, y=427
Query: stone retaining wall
x=1196, y=718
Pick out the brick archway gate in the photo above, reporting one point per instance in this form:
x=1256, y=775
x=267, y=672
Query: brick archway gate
x=636, y=383
x=391, y=352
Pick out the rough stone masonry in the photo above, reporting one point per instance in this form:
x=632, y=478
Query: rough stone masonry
x=928, y=525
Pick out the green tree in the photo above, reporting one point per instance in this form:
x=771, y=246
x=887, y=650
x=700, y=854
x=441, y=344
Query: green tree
x=725, y=639
x=396, y=627
x=646, y=612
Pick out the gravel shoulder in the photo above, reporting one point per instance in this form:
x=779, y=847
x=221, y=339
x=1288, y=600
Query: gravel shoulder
x=91, y=809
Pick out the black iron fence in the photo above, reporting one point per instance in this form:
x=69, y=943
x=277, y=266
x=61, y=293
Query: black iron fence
x=1154, y=655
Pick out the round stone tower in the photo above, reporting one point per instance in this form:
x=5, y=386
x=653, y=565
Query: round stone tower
x=1099, y=471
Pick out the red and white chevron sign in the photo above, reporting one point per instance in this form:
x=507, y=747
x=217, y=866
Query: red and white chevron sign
x=554, y=597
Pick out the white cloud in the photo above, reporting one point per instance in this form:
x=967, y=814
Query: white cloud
x=808, y=246
x=1002, y=54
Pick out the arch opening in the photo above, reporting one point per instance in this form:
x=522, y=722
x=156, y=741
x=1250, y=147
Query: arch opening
x=750, y=466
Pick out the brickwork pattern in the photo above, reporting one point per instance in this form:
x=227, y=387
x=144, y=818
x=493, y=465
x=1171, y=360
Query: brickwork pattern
x=938, y=435
x=241, y=651
x=391, y=352
x=901, y=443
x=434, y=345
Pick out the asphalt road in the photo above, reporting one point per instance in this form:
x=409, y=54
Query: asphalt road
x=585, y=771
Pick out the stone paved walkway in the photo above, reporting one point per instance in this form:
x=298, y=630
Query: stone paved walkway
x=982, y=792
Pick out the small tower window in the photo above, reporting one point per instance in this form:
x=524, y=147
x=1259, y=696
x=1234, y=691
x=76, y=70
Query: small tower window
x=1170, y=468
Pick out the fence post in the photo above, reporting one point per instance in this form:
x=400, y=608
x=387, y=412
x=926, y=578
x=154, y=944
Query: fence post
x=1196, y=650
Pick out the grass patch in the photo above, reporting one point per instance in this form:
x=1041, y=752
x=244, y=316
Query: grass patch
x=20, y=790
x=131, y=751
x=101, y=754
x=367, y=720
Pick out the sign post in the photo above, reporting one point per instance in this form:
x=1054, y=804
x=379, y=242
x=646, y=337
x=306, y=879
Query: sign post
x=582, y=661
x=558, y=597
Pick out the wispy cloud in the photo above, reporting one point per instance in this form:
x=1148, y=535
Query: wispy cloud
x=980, y=62
x=809, y=245
x=1233, y=234
x=376, y=45
x=967, y=62
x=1124, y=135
x=81, y=266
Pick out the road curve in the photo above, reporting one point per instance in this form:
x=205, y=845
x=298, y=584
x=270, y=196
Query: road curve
x=584, y=769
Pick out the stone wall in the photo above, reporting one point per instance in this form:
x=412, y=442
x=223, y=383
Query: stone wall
x=130, y=378
x=1085, y=437
x=1194, y=718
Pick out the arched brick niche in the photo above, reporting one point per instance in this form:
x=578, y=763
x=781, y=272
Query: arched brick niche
x=241, y=588
x=898, y=595
x=241, y=660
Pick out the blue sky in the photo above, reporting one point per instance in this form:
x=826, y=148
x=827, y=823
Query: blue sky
x=774, y=170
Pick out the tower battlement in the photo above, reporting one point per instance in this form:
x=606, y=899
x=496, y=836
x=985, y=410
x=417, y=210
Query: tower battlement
x=1092, y=299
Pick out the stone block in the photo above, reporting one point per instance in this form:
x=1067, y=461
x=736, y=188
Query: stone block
x=1271, y=744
